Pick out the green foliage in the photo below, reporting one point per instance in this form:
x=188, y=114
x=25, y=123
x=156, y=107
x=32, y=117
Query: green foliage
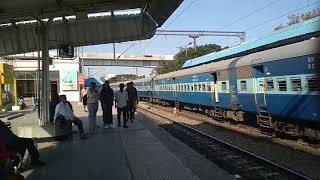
x=181, y=57
x=123, y=77
x=296, y=18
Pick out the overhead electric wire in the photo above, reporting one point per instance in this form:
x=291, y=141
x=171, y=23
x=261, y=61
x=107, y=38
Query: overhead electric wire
x=278, y=17
x=250, y=14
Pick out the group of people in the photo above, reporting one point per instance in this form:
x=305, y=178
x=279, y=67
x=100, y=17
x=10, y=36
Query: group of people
x=124, y=100
x=62, y=114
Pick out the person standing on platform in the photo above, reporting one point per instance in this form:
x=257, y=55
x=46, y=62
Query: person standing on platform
x=132, y=100
x=84, y=98
x=93, y=97
x=106, y=98
x=121, y=98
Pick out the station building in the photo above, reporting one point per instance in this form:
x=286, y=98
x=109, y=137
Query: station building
x=64, y=75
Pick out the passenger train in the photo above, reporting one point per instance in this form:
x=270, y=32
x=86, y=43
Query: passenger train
x=279, y=87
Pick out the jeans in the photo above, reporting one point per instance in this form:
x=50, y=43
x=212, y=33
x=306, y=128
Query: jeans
x=124, y=115
x=132, y=106
x=92, y=108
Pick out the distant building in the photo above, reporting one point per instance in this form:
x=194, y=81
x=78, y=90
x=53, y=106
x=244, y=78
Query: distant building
x=63, y=76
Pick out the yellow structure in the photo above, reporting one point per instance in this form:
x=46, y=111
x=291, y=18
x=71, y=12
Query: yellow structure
x=8, y=88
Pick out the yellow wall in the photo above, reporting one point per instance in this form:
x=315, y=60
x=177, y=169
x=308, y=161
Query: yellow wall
x=7, y=77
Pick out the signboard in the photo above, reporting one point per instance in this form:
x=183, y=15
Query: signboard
x=69, y=80
x=81, y=79
x=66, y=51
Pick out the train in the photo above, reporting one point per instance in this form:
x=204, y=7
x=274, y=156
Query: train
x=277, y=87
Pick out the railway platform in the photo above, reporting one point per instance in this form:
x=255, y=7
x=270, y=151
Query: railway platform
x=119, y=154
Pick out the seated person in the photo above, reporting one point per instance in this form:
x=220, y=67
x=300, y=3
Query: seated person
x=54, y=101
x=21, y=103
x=19, y=145
x=64, y=116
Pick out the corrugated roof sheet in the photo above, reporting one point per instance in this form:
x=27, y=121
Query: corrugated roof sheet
x=307, y=27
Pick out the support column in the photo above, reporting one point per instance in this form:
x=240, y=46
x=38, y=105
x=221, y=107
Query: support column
x=45, y=76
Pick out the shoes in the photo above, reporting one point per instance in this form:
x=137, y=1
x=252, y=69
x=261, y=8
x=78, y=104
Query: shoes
x=106, y=126
x=37, y=163
x=125, y=126
x=119, y=125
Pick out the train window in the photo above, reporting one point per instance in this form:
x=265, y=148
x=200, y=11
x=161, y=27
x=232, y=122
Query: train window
x=296, y=84
x=282, y=84
x=186, y=87
x=270, y=85
x=204, y=87
x=313, y=83
x=195, y=87
x=208, y=87
x=243, y=86
x=200, y=87
x=191, y=87
x=224, y=86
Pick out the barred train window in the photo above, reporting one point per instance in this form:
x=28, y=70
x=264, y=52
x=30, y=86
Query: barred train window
x=296, y=84
x=187, y=87
x=224, y=86
x=191, y=87
x=203, y=87
x=243, y=85
x=313, y=83
x=282, y=84
x=208, y=87
x=199, y=86
x=270, y=85
x=195, y=87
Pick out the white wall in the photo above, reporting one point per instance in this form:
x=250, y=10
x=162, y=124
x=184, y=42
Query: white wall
x=67, y=65
x=57, y=66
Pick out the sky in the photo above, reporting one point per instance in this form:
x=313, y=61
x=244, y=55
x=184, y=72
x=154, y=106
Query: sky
x=212, y=15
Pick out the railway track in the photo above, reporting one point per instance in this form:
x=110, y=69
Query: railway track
x=243, y=164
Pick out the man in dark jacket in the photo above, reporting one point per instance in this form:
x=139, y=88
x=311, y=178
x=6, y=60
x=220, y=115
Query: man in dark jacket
x=132, y=100
x=106, y=98
x=19, y=145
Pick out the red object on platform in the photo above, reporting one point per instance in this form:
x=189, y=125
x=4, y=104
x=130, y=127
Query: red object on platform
x=81, y=79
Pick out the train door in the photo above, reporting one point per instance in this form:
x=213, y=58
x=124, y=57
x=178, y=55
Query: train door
x=174, y=89
x=214, y=89
x=260, y=84
x=233, y=85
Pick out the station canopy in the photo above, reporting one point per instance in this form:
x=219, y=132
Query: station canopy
x=79, y=22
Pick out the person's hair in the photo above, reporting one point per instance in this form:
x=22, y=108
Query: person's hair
x=131, y=82
x=61, y=96
x=121, y=84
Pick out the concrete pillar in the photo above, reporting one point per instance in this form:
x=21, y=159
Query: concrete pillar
x=45, y=76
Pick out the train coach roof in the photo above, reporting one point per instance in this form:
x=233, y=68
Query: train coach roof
x=206, y=68
x=146, y=79
x=303, y=48
x=290, y=34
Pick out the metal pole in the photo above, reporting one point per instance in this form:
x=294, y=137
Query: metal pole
x=38, y=73
x=45, y=75
x=114, y=51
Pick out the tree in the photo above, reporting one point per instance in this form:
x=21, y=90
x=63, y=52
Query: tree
x=123, y=77
x=183, y=55
x=296, y=18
